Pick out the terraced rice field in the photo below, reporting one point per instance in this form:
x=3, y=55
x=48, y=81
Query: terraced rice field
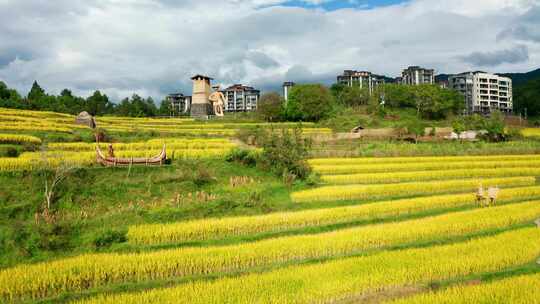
x=183, y=137
x=84, y=155
x=393, y=228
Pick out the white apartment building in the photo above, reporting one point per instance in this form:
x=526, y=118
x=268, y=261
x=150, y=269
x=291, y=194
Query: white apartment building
x=179, y=104
x=240, y=98
x=484, y=92
x=416, y=75
x=362, y=79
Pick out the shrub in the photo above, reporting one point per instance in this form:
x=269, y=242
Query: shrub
x=12, y=152
x=109, y=237
x=242, y=156
x=285, y=151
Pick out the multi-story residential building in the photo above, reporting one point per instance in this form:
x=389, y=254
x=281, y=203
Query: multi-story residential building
x=415, y=75
x=240, y=98
x=483, y=92
x=362, y=79
x=179, y=104
x=287, y=86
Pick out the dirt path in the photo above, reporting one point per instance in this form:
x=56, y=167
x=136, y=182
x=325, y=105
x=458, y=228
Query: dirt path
x=384, y=295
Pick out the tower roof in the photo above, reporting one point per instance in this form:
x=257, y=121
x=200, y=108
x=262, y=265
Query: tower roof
x=199, y=76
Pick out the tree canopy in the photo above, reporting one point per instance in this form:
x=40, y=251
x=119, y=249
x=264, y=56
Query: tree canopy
x=309, y=102
x=96, y=104
x=270, y=107
x=430, y=101
x=527, y=97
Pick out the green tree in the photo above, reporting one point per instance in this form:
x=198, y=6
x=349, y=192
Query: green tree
x=415, y=127
x=459, y=126
x=355, y=96
x=336, y=90
x=150, y=107
x=495, y=127
x=527, y=96
x=434, y=102
x=165, y=108
x=36, y=92
x=10, y=98
x=98, y=104
x=309, y=102
x=399, y=96
x=270, y=107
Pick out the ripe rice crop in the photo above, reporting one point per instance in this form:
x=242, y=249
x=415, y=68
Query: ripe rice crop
x=120, y=119
x=399, y=177
x=177, y=131
x=220, y=228
x=517, y=290
x=37, y=114
x=23, y=127
x=36, y=121
x=41, y=160
x=363, y=192
x=37, y=163
x=350, y=278
x=19, y=139
x=99, y=269
x=173, y=144
x=404, y=167
x=421, y=159
x=530, y=132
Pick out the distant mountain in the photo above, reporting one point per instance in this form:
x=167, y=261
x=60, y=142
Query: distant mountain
x=517, y=78
x=522, y=78
x=386, y=78
x=441, y=78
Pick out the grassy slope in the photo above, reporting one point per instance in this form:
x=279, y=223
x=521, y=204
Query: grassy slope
x=94, y=201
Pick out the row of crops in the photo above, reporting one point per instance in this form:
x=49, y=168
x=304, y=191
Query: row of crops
x=352, y=277
x=86, y=271
x=84, y=154
x=327, y=281
x=387, y=236
x=34, y=121
x=183, y=137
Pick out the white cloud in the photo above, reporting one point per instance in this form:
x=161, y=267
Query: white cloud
x=152, y=47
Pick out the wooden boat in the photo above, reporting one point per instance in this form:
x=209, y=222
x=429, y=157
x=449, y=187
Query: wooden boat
x=109, y=161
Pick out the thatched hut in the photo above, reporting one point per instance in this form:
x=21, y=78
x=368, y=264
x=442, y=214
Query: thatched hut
x=84, y=118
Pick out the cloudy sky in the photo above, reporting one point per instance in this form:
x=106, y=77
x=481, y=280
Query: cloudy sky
x=152, y=47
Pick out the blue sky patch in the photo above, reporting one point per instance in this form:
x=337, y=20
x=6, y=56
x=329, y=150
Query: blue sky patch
x=341, y=4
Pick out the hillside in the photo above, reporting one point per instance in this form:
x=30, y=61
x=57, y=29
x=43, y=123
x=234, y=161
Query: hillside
x=517, y=78
x=215, y=225
x=527, y=96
